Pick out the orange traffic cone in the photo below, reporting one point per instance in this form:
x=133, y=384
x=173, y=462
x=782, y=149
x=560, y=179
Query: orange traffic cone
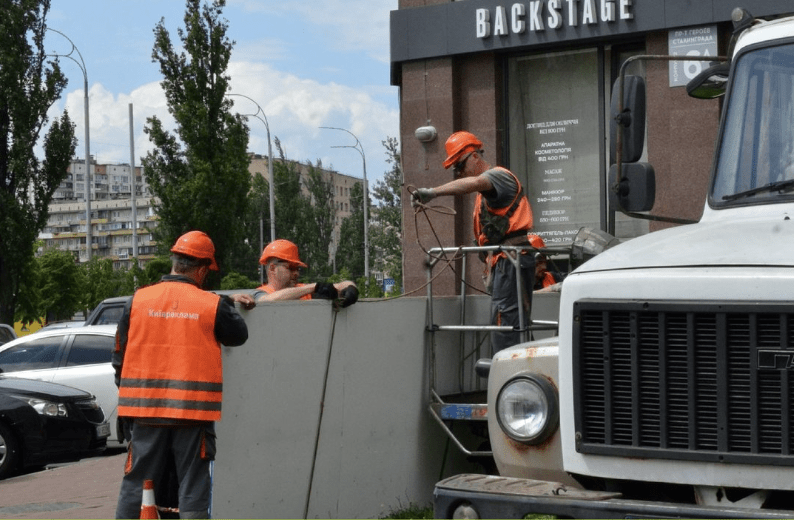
x=148, y=509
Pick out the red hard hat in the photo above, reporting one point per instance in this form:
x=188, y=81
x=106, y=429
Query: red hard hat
x=535, y=241
x=196, y=244
x=458, y=144
x=283, y=250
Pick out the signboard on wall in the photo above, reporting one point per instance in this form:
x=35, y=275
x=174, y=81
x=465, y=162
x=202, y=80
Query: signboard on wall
x=694, y=41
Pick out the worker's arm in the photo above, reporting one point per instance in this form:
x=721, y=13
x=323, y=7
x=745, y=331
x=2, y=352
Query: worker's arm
x=290, y=293
x=464, y=186
x=122, y=332
x=230, y=328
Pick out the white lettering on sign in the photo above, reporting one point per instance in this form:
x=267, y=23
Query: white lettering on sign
x=518, y=13
x=555, y=18
x=534, y=13
x=500, y=22
x=483, y=23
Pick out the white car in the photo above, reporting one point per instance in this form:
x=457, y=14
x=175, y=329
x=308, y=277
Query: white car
x=75, y=356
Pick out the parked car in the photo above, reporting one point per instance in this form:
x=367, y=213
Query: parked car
x=62, y=325
x=74, y=356
x=42, y=423
x=6, y=333
x=108, y=312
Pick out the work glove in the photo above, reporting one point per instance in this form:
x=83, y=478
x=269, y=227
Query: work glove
x=349, y=296
x=423, y=196
x=325, y=291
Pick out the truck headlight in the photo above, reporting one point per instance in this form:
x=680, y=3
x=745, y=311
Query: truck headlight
x=527, y=410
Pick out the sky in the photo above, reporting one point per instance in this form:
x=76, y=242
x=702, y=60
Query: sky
x=306, y=63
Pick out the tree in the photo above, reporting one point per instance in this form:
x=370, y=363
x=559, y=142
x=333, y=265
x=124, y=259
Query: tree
x=319, y=223
x=350, y=251
x=386, y=230
x=199, y=173
x=30, y=83
x=102, y=281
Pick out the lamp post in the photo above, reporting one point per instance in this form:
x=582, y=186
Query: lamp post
x=81, y=64
x=360, y=149
x=270, y=179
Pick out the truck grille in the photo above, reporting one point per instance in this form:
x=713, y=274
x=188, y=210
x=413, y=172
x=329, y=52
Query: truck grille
x=706, y=381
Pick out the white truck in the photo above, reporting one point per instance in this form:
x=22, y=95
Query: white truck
x=670, y=389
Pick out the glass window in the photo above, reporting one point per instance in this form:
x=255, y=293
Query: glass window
x=554, y=124
x=32, y=355
x=5, y=335
x=109, y=316
x=89, y=349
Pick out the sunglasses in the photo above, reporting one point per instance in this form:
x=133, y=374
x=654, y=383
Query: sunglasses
x=457, y=168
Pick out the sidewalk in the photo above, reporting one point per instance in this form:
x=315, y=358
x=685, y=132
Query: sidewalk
x=86, y=489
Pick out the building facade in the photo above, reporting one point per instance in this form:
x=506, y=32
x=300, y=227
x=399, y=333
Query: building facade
x=533, y=80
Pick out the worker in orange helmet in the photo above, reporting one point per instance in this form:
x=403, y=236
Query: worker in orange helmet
x=168, y=366
x=282, y=266
x=502, y=215
x=544, y=279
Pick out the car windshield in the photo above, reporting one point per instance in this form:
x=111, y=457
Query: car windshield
x=756, y=157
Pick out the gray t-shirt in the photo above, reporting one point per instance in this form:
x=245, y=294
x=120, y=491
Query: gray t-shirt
x=504, y=188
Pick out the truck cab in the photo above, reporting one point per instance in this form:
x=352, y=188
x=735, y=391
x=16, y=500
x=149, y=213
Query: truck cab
x=668, y=391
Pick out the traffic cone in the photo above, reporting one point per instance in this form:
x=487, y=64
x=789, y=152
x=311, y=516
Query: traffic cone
x=148, y=508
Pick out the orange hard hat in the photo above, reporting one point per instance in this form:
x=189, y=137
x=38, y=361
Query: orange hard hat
x=535, y=241
x=283, y=250
x=458, y=144
x=196, y=244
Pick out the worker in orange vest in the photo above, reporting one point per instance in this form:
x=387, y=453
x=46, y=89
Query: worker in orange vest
x=170, y=376
x=282, y=266
x=502, y=215
x=544, y=279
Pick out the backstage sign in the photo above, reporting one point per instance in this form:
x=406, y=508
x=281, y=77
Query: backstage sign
x=696, y=41
x=539, y=15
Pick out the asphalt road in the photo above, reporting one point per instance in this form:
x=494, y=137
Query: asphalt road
x=84, y=489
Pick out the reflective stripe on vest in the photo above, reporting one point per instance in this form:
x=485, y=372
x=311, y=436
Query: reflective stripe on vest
x=172, y=364
x=520, y=220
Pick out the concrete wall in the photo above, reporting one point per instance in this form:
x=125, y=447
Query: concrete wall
x=379, y=450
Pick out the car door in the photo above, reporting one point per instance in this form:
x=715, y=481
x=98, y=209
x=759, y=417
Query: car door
x=34, y=359
x=86, y=365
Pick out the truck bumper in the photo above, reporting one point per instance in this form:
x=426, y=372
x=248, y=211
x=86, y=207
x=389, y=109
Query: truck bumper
x=505, y=497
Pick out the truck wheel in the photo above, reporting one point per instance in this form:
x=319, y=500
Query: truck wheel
x=9, y=452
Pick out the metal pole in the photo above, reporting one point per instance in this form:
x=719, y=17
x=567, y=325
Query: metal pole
x=271, y=182
x=133, y=189
x=360, y=149
x=81, y=64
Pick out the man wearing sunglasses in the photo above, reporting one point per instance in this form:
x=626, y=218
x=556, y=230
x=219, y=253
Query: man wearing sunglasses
x=282, y=267
x=502, y=215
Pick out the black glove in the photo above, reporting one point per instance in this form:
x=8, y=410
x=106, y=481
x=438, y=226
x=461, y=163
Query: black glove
x=349, y=296
x=325, y=291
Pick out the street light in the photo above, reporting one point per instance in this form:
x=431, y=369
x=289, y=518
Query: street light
x=81, y=64
x=360, y=149
x=270, y=179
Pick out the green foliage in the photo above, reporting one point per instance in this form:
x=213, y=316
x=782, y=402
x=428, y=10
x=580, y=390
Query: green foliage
x=30, y=83
x=386, y=231
x=350, y=252
x=200, y=172
x=155, y=269
x=235, y=280
x=411, y=511
x=102, y=281
x=62, y=285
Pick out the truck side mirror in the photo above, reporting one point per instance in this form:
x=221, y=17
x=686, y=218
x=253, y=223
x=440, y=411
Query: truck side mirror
x=710, y=83
x=636, y=190
x=631, y=120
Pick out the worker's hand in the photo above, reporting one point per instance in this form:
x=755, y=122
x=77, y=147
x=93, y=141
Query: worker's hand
x=422, y=196
x=349, y=296
x=325, y=291
x=246, y=300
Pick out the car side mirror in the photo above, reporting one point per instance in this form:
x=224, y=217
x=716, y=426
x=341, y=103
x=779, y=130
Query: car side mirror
x=710, y=83
x=630, y=121
x=636, y=190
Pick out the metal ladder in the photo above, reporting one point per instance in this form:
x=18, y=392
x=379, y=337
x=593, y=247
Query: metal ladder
x=441, y=410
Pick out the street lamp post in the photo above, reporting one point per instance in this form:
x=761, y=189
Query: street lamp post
x=81, y=64
x=360, y=149
x=270, y=179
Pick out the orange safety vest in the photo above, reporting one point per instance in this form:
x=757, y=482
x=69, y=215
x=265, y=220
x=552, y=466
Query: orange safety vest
x=172, y=363
x=518, y=213
x=270, y=290
x=548, y=279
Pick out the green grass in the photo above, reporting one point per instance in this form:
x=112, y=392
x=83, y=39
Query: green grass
x=411, y=511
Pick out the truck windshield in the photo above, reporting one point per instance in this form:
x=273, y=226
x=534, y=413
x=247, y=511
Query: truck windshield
x=756, y=157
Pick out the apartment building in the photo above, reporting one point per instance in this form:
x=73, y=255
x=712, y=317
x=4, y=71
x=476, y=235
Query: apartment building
x=112, y=216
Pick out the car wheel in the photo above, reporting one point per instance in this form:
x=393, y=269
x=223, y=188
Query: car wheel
x=9, y=451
